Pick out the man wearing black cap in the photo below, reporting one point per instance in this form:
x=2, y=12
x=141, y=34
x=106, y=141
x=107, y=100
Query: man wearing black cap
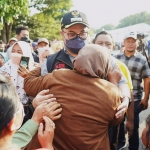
x=74, y=31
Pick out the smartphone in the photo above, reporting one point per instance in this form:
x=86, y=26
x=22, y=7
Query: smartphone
x=140, y=108
x=24, y=61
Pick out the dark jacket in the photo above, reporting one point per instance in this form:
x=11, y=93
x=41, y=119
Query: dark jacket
x=59, y=60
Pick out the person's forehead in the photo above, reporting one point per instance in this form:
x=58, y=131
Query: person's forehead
x=16, y=47
x=130, y=38
x=41, y=43
x=104, y=37
x=12, y=41
x=24, y=32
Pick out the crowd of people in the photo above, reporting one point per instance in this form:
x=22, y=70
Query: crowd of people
x=72, y=93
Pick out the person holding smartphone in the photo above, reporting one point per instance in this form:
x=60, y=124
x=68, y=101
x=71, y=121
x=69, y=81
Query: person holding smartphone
x=10, y=68
x=17, y=67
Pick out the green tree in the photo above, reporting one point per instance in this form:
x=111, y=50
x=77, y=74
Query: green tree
x=15, y=12
x=40, y=26
x=106, y=27
x=55, y=8
x=9, y=11
x=143, y=17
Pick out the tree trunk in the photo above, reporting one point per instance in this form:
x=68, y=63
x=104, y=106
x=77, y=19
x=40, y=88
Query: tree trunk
x=3, y=34
x=9, y=29
x=6, y=32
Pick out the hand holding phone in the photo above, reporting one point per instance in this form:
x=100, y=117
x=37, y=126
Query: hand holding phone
x=24, y=61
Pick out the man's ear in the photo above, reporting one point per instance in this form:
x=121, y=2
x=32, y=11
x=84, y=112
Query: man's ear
x=17, y=36
x=61, y=33
x=113, y=47
x=124, y=42
x=11, y=125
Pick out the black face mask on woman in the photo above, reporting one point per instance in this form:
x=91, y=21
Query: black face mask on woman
x=75, y=45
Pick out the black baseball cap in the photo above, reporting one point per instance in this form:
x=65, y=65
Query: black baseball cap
x=72, y=18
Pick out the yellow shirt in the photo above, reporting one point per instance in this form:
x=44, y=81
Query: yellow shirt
x=126, y=73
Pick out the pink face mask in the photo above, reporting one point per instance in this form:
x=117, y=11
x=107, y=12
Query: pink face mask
x=15, y=58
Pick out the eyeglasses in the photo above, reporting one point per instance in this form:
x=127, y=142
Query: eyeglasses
x=73, y=35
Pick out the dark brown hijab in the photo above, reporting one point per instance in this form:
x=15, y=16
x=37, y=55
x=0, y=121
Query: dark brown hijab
x=93, y=60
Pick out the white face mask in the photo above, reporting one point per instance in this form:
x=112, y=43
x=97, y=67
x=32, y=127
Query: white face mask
x=15, y=58
x=39, y=49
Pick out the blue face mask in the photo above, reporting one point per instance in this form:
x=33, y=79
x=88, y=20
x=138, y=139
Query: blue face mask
x=75, y=45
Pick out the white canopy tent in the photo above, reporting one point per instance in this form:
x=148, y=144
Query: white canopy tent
x=119, y=34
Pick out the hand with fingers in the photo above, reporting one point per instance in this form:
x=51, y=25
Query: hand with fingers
x=114, y=76
x=51, y=110
x=129, y=127
x=121, y=110
x=8, y=76
x=22, y=71
x=36, y=64
x=46, y=133
x=144, y=102
x=43, y=97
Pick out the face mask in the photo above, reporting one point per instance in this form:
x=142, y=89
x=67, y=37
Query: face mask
x=75, y=45
x=39, y=49
x=15, y=58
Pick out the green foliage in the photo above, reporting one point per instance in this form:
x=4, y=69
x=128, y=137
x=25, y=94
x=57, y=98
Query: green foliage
x=1, y=26
x=11, y=9
x=55, y=8
x=92, y=31
x=44, y=26
x=106, y=27
x=40, y=26
x=143, y=17
x=47, y=23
